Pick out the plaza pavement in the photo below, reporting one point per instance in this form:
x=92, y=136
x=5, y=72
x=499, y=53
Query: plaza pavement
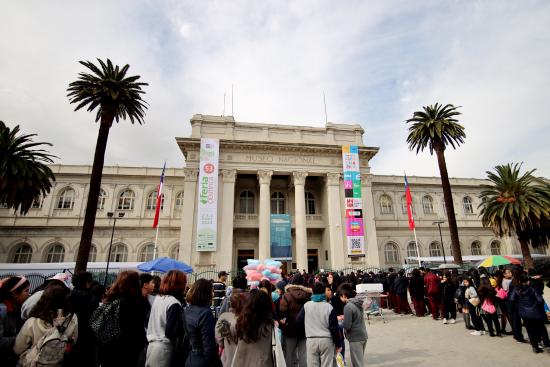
x=419, y=341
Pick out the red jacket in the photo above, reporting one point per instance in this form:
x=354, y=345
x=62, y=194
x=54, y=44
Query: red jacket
x=432, y=284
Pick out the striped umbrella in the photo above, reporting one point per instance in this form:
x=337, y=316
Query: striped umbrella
x=496, y=260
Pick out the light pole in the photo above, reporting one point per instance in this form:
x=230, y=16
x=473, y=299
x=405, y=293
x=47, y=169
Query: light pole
x=111, y=215
x=439, y=222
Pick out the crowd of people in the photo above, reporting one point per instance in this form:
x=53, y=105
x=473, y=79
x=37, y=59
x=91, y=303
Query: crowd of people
x=146, y=320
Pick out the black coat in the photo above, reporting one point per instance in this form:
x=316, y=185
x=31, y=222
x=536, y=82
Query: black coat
x=530, y=303
x=83, y=353
x=416, y=288
x=400, y=285
x=200, y=327
x=126, y=349
x=448, y=290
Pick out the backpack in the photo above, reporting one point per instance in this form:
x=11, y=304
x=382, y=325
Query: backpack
x=105, y=322
x=50, y=348
x=182, y=346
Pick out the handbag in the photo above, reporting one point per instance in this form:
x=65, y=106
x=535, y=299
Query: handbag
x=488, y=307
x=276, y=348
x=474, y=301
x=501, y=293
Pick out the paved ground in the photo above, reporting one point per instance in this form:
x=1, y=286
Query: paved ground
x=415, y=341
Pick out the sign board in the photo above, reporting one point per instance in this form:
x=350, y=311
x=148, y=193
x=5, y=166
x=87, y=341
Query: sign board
x=207, y=210
x=280, y=237
x=355, y=228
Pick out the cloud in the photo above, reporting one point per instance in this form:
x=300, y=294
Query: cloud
x=377, y=62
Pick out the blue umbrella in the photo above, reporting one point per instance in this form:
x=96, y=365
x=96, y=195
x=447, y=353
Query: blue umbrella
x=164, y=264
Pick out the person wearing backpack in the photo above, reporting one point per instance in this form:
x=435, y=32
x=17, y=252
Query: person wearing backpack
x=118, y=323
x=166, y=321
x=49, y=332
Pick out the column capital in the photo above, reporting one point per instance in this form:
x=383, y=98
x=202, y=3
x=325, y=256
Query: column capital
x=229, y=175
x=299, y=177
x=264, y=176
x=366, y=179
x=333, y=178
x=191, y=174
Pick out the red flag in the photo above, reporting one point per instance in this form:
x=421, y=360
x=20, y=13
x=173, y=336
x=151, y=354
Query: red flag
x=409, y=204
x=159, y=198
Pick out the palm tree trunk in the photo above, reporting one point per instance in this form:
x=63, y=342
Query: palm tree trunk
x=449, y=206
x=93, y=194
x=526, y=253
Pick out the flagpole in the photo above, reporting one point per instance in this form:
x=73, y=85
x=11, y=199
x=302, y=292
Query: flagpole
x=410, y=211
x=156, y=239
x=416, y=244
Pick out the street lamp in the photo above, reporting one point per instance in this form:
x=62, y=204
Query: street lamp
x=439, y=222
x=111, y=215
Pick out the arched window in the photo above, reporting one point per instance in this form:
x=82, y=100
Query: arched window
x=435, y=249
x=411, y=250
x=467, y=205
x=277, y=203
x=119, y=253
x=37, y=202
x=428, y=204
x=147, y=253
x=246, y=202
x=495, y=247
x=175, y=252
x=126, y=200
x=92, y=257
x=386, y=206
x=22, y=254
x=152, y=201
x=310, y=203
x=101, y=199
x=391, y=253
x=476, y=248
x=56, y=254
x=66, y=199
x=179, y=200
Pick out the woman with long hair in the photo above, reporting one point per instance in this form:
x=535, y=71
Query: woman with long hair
x=200, y=325
x=416, y=290
x=471, y=298
x=13, y=292
x=166, y=320
x=254, y=328
x=226, y=328
x=126, y=348
x=52, y=310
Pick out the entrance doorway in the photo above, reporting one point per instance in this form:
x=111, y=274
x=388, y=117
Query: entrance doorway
x=242, y=256
x=312, y=260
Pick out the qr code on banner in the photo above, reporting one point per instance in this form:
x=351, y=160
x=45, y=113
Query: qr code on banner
x=356, y=244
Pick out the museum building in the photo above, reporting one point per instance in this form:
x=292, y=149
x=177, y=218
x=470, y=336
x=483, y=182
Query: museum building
x=264, y=171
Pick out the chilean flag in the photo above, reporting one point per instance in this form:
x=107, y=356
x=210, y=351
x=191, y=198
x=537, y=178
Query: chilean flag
x=159, y=197
x=409, y=203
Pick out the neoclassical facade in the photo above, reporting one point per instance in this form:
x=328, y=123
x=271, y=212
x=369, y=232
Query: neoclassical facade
x=264, y=169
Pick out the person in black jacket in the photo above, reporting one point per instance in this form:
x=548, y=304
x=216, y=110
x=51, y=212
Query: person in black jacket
x=400, y=286
x=416, y=290
x=448, y=290
x=200, y=325
x=125, y=350
x=529, y=302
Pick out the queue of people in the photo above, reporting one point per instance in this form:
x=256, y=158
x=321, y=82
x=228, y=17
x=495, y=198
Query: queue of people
x=142, y=320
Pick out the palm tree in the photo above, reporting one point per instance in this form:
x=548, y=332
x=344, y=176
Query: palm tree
x=24, y=174
x=436, y=127
x=517, y=204
x=115, y=96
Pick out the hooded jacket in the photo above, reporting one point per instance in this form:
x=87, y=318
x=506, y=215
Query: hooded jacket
x=354, y=324
x=290, y=305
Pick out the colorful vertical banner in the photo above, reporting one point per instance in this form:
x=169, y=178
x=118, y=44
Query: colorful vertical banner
x=355, y=228
x=281, y=237
x=207, y=221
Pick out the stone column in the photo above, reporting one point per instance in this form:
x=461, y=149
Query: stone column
x=188, y=222
x=299, y=180
x=373, y=257
x=264, y=177
x=225, y=243
x=337, y=251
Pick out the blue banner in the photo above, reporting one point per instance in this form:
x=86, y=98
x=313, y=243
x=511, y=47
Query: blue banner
x=281, y=237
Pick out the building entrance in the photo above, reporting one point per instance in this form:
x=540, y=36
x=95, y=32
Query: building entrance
x=312, y=260
x=242, y=256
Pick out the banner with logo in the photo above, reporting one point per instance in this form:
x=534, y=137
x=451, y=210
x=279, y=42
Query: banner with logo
x=207, y=221
x=355, y=228
x=281, y=237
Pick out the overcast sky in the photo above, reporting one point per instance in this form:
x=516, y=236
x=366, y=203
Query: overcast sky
x=376, y=61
